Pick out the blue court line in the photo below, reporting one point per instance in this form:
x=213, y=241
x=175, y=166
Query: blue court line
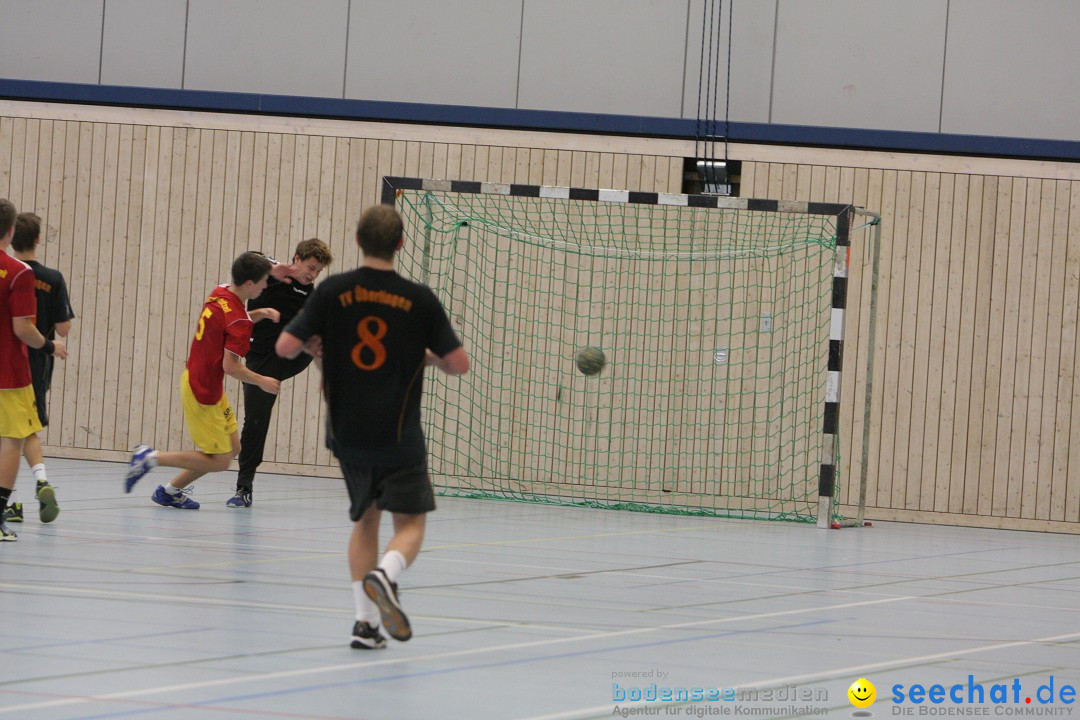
x=447, y=671
x=104, y=641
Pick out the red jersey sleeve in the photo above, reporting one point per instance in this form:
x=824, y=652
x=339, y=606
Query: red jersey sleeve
x=23, y=298
x=238, y=336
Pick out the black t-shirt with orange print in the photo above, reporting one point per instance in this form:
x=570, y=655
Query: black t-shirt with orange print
x=375, y=326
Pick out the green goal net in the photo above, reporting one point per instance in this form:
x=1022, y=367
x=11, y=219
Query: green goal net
x=716, y=317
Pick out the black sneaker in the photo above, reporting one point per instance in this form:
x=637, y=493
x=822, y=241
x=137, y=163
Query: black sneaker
x=384, y=594
x=365, y=637
x=5, y=534
x=13, y=513
x=46, y=496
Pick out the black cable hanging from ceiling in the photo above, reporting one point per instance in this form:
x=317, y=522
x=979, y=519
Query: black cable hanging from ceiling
x=711, y=168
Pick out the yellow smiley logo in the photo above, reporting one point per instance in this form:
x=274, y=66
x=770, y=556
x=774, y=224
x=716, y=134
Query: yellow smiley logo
x=862, y=693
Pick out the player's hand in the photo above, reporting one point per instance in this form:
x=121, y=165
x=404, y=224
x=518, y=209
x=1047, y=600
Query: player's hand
x=313, y=346
x=59, y=349
x=283, y=272
x=269, y=384
x=270, y=314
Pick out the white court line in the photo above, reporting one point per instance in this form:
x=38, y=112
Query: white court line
x=851, y=671
x=262, y=677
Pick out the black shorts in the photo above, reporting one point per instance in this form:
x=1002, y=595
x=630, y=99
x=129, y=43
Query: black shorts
x=397, y=489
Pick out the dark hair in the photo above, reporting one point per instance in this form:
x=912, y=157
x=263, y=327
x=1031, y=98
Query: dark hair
x=27, y=230
x=314, y=248
x=250, y=266
x=7, y=216
x=379, y=232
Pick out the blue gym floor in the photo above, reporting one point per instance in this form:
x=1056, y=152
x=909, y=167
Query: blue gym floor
x=125, y=609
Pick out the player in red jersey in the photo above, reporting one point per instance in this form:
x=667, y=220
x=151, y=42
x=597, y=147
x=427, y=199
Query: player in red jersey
x=18, y=306
x=222, y=338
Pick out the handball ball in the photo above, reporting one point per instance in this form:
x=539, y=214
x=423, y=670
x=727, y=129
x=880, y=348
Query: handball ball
x=590, y=360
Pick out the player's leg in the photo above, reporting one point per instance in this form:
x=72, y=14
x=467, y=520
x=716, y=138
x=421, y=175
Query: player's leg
x=10, y=450
x=193, y=465
x=18, y=418
x=408, y=494
x=258, y=408
x=45, y=493
x=363, y=552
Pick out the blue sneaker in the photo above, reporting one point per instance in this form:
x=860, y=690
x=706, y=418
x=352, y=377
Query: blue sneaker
x=143, y=461
x=179, y=500
x=240, y=500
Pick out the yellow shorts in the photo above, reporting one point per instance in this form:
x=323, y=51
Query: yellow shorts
x=211, y=426
x=18, y=413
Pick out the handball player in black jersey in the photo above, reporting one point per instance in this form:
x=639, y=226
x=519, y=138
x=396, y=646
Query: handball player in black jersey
x=375, y=332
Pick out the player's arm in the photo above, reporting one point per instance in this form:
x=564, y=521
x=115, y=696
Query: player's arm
x=266, y=313
x=63, y=328
x=455, y=362
x=234, y=368
x=288, y=345
x=26, y=331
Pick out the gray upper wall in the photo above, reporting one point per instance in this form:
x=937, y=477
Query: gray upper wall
x=984, y=67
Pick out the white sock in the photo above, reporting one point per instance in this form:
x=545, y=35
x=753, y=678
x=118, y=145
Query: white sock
x=393, y=564
x=169, y=488
x=39, y=472
x=366, y=610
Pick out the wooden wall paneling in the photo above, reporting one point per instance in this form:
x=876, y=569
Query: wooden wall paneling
x=577, y=169
x=453, y=161
x=669, y=175
x=303, y=196
x=1026, y=239
x=263, y=188
x=774, y=189
x=894, y=471
x=440, y=166
x=127, y=321
x=116, y=250
x=911, y=189
x=928, y=312
x=17, y=161
x=605, y=170
x=804, y=188
x=1003, y=335
x=28, y=182
x=1018, y=334
x=88, y=213
x=619, y=163
x=986, y=358
x=1039, y=238
x=169, y=204
x=425, y=166
x=884, y=404
x=468, y=162
x=1072, y=477
x=1066, y=210
x=290, y=189
x=951, y=263
x=238, y=203
x=145, y=351
x=479, y=162
x=47, y=251
x=558, y=168
x=7, y=126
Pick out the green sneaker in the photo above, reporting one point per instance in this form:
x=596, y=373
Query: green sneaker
x=46, y=496
x=13, y=513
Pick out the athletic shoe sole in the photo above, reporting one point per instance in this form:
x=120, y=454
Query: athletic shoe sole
x=393, y=617
x=49, y=508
